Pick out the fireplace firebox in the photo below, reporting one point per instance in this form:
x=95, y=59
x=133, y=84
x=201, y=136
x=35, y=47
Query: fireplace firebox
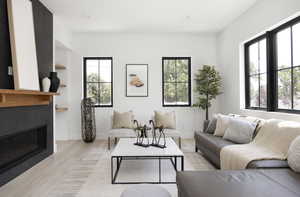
x=26, y=138
x=18, y=147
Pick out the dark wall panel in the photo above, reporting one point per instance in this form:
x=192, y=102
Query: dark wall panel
x=6, y=82
x=44, y=37
x=15, y=119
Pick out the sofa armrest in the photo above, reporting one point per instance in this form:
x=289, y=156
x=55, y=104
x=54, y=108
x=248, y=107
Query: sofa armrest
x=272, y=163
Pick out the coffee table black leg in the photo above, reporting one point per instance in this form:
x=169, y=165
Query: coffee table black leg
x=159, y=166
x=175, y=163
x=118, y=162
x=112, y=170
x=182, y=163
x=115, y=174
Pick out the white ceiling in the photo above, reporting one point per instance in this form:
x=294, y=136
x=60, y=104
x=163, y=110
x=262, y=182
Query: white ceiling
x=148, y=15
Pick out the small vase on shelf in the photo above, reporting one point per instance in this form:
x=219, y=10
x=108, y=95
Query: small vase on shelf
x=46, y=84
x=55, y=81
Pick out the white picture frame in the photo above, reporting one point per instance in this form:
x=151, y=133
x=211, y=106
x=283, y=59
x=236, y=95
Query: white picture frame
x=23, y=46
x=136, y=80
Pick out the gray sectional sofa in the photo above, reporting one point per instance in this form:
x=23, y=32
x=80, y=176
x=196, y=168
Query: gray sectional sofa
x=211, y=146
x=262, y=178
x=244, y=183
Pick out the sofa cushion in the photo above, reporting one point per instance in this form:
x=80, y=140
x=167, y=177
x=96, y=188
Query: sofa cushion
x=212, y=126
x=222, y=124
x=121, y=133
x=165, y=119
x=240, y=131
x=211, y=142
x=123, y=120
x=286, y=178
x=172, y=133
x=254, y=183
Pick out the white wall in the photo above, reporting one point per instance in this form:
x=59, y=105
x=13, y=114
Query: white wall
x=137, y=48
x=263, y=15
x=61, y=33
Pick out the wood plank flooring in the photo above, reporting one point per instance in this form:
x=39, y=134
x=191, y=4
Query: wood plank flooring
x=82, y=170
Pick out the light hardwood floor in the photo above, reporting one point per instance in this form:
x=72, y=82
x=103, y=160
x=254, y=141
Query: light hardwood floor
x=83, y=170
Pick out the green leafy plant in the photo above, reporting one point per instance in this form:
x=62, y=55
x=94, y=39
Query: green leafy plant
x=208, y=84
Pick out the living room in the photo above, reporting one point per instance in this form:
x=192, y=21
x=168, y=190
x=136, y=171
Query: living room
x=150, y=98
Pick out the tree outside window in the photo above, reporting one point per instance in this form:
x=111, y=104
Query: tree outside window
x=98, y=80
x=176, y=81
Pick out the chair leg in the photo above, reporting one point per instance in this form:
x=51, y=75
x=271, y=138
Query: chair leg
x=179, y=141
x=116, y=140
x=108, y=143
x=196, y=149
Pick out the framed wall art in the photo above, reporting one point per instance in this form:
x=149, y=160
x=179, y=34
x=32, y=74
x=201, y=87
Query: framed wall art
x=137, y=80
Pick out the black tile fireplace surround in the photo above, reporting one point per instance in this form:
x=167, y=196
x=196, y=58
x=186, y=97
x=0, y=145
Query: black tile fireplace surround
x=25, y=124
x=20, y=146
x=26, y=138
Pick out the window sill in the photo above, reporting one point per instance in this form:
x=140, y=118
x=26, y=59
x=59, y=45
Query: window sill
x=102, y=106
x=176, y=105
x=275, y=113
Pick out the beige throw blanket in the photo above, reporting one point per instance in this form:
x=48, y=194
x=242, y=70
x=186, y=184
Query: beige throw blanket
x=272, y=142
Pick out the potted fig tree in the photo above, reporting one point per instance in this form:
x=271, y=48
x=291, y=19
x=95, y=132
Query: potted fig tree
x=207, y=88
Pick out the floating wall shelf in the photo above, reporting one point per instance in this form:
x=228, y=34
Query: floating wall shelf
x=60, y=67
x=61, y=109
x=18, y=98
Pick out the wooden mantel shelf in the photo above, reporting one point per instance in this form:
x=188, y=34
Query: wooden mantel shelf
x=17, y=98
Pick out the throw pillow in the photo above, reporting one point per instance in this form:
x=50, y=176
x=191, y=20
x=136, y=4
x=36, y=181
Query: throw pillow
x=222, y=125
x=258, y=121
x=123, y=120
x=240, y=131
x=165, y=119
x=212, y=126
x=294, y=155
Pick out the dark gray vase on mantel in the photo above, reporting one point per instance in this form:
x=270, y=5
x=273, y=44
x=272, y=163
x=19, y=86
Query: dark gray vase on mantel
x=55, y=81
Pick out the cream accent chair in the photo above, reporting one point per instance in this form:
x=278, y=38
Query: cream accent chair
x=171, y=133
x=175, y=134
x=117, y=133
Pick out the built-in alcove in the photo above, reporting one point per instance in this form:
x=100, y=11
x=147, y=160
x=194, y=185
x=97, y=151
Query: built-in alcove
x=17, y=147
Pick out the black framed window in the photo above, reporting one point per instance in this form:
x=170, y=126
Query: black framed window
x=176, y=81
x=256, y=74
x=273, y=62
x=98, y=80
x=288, y=67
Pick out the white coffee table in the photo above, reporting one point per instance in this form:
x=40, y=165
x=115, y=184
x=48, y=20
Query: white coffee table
x=126, y=150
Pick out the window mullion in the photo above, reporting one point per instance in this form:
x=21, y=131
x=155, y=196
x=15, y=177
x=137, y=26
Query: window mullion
x=176, y=78
x=247, y=77
x=99, y=96
x=271, y=72
x=259, y=74
x=292, y=70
